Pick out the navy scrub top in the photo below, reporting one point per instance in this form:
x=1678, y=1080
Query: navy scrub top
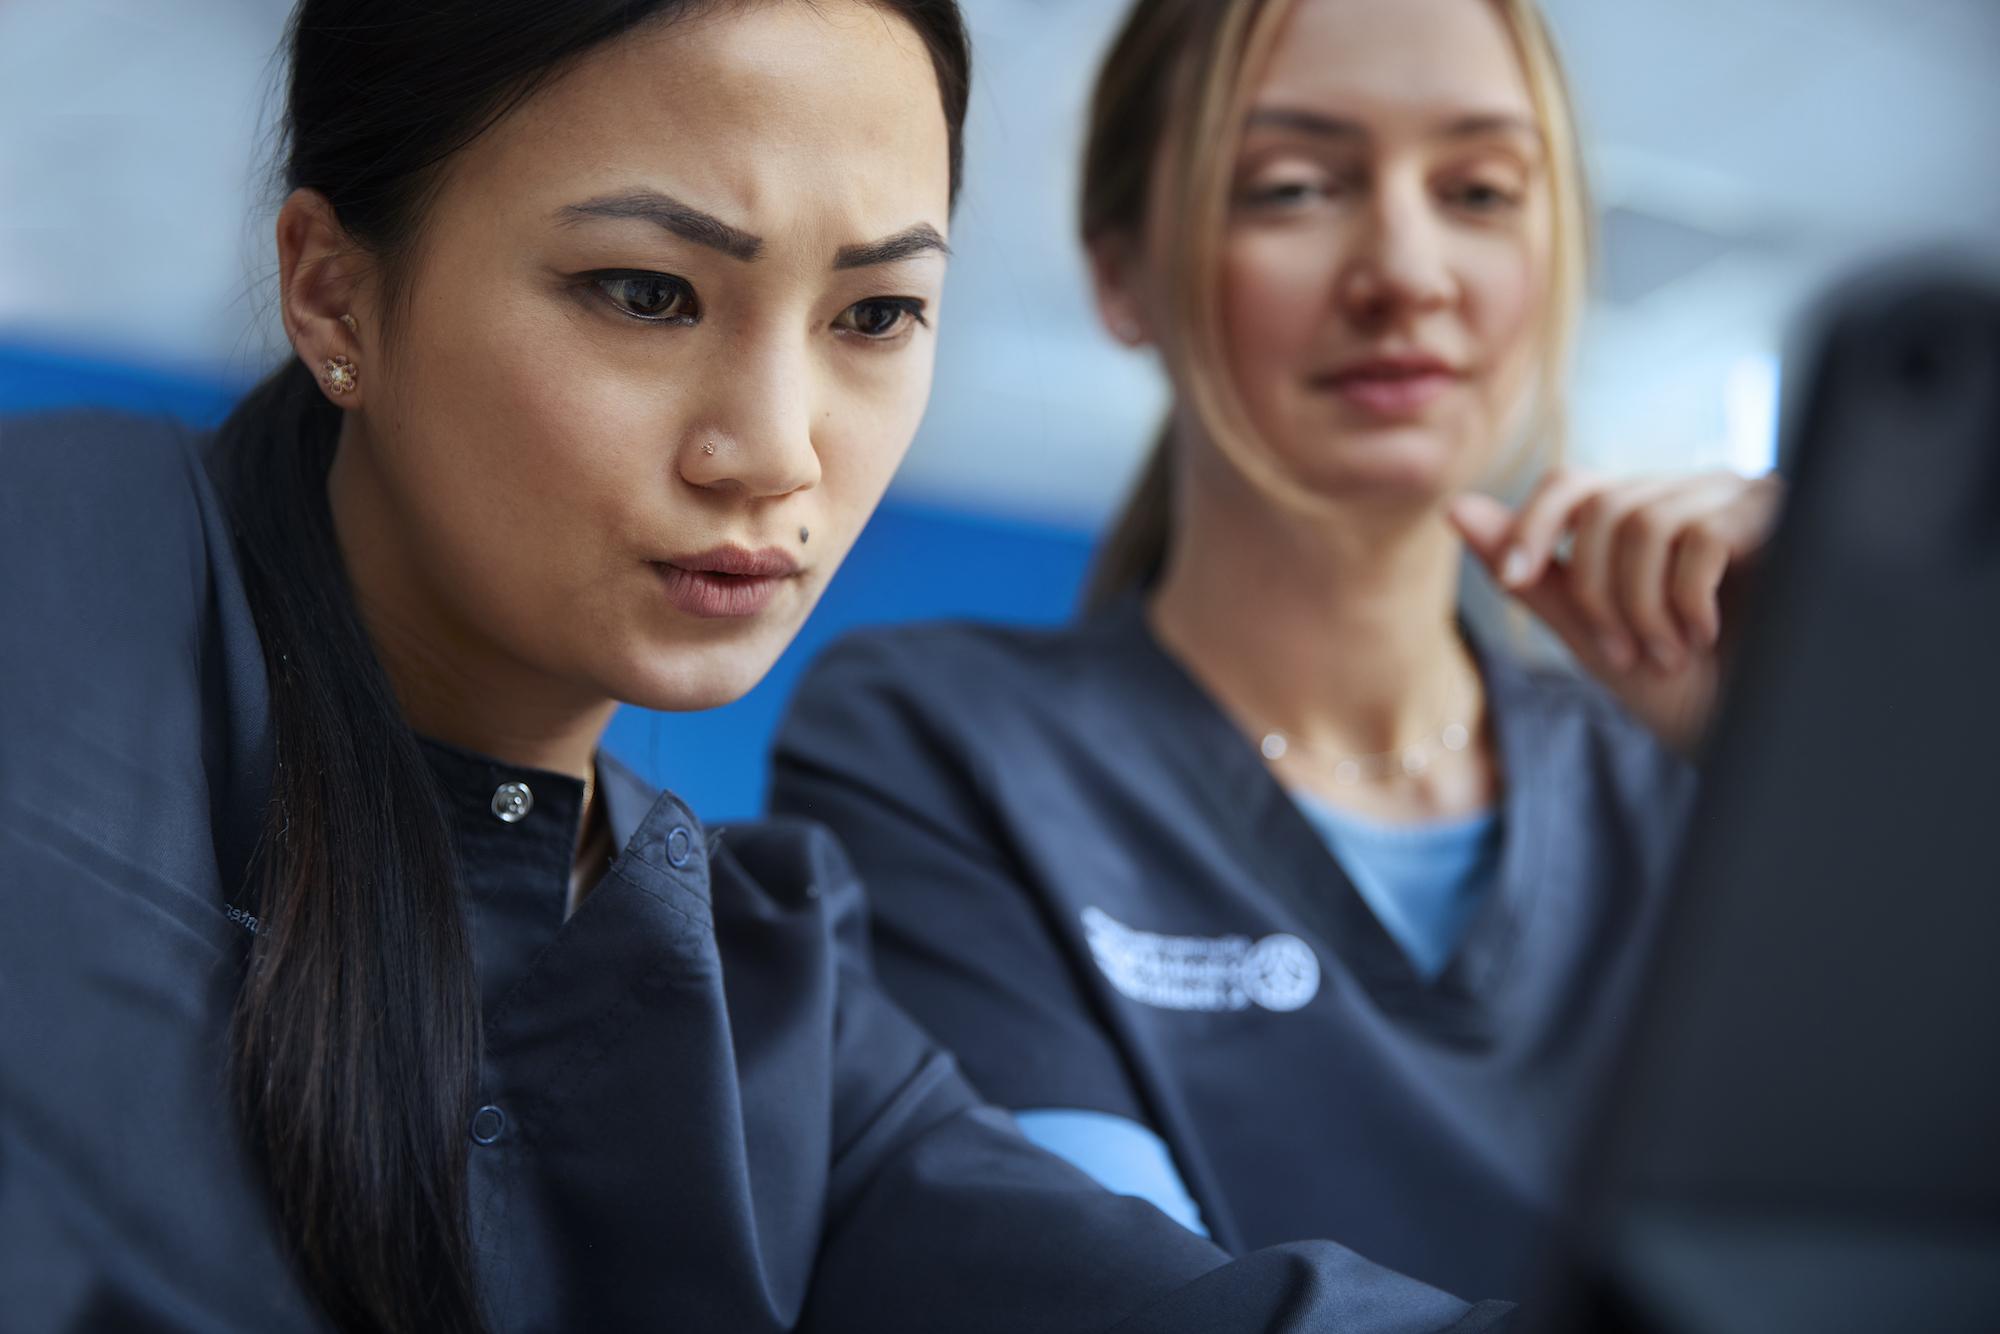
x=1086, y=882
x=697, y=1111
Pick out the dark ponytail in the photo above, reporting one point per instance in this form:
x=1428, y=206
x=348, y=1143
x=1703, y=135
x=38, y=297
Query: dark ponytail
x=357, y=1027
x=1143, y=82
x=356, y=1033
x=1133, y=554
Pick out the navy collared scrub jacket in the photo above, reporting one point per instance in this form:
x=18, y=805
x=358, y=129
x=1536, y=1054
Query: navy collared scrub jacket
x=1086, y=882
x=697, y=1111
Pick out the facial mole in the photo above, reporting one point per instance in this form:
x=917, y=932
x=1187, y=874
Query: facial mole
x=805, y=535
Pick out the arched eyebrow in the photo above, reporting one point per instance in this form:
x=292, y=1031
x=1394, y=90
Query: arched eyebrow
x=705, y=229
x=1306, y=122
x=664, y=211
x=1494, y=122
x=922, y=239
x=1335, y=127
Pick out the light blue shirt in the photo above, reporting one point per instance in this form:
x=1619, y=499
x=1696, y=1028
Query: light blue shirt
x=1425, y=882
x=1122, y=1155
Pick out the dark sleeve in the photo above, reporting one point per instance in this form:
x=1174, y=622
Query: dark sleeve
x=940, y=1216
x=127, y=1199
x=961, y=940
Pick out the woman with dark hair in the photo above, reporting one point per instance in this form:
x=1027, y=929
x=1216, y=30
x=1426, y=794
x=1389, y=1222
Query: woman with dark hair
x=611, y=322
x=1269, y=890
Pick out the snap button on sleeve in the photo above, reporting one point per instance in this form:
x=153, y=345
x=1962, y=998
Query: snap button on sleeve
x=489, y=1123
x=680, y=845
x=512, y=802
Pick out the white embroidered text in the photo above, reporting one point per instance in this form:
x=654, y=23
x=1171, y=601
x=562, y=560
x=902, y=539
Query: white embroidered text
x=1279, y=972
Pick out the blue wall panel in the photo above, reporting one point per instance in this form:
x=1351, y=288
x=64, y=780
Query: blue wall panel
x=34, y=378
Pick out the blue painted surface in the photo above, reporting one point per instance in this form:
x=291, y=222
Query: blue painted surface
x=36, y=378
x=914, y=562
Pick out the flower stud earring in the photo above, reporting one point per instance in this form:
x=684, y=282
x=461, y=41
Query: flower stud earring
x=338, y=374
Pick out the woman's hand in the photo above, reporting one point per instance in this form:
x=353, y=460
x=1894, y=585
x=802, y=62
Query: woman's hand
x=1638, y=595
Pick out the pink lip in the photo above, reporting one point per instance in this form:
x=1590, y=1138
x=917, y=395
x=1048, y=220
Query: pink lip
x=1399, y=386
x=726, y=581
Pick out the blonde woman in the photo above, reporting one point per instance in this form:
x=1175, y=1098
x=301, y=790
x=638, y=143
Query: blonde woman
x=1267, y=891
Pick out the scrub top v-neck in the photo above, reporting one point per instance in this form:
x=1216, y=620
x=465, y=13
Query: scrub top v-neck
x=696, y=1110
x=1086, y=881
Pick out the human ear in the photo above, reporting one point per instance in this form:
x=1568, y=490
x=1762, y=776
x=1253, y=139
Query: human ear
x=1116, y=273
x=320, y=295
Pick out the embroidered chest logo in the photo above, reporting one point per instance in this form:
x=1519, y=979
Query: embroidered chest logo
x=1202, y=972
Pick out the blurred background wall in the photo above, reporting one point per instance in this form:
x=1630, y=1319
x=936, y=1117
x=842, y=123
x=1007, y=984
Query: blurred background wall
x=1743, y=152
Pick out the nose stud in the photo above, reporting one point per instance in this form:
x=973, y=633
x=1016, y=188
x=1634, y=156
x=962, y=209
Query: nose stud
x=708, y=448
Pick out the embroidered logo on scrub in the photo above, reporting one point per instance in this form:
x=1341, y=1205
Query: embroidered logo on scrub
x=1202, y=972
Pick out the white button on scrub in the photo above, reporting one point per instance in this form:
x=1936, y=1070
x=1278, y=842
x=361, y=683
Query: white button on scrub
x=512, y=802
